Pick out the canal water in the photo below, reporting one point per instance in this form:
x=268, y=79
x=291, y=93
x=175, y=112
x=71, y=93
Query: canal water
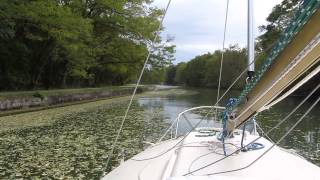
x=304, y=139
x=77, y=144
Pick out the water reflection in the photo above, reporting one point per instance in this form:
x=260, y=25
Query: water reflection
x=305, y=138
x=173, y=104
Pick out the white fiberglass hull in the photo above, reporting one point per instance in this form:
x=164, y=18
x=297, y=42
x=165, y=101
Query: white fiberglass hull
x=198, y=150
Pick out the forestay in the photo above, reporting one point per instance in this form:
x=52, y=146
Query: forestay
x=295, y=53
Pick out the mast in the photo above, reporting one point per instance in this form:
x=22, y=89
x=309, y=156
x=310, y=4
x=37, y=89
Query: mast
x=250, y=40
x=293, y=55
x=230, y=124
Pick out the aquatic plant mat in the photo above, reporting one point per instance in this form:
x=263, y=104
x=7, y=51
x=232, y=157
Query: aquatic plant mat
x=76, y=145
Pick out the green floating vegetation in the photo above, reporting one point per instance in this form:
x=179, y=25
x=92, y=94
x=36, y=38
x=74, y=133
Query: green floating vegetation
x=76, y=146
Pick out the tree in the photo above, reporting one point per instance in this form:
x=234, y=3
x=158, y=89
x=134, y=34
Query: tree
x=60, y=43
x=154, y=76
x=204, y=70
x=181, y=72
x=170, y=75
x=277, y=21
x=40, y=31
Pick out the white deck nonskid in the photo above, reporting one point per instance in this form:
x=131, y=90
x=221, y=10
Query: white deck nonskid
x=198, y=150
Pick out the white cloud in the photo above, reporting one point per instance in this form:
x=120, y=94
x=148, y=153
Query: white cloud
x=197, y=25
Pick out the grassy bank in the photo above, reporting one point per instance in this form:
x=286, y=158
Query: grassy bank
x=57, y=92
x=28, y=101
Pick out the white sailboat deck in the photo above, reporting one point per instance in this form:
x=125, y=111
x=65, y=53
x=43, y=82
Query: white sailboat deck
x=199, y=149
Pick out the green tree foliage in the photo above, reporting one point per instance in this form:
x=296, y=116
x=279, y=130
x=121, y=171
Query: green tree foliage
x=57, y=43
x=170, y=75
x=277, y=21
x=154, y=76
x=203, y=71
x=180, y=76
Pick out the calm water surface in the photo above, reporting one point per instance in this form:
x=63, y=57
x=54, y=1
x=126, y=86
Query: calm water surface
x=305, y=139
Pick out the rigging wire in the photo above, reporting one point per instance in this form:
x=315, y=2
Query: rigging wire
x=263, y=133
x=221, y=65
x=218, y=100
x=268, y=132
x=196, y=124
x=222, y=53
x=169, y=149
x=295, y=87
x=209, y=111
x=295, y=62
x=205, y=115
x=214, y=151
x=274, y=144
x=301, y=17
x=137, y=84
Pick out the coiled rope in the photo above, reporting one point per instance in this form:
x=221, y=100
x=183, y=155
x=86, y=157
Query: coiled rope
x=274, y=144
x=268, y=132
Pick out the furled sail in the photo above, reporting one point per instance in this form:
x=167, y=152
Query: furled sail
x=296, y=52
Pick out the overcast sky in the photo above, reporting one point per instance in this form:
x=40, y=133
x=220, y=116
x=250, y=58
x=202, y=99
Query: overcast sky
x=197, y=25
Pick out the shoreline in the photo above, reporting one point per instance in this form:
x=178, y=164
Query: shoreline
x=30, y=103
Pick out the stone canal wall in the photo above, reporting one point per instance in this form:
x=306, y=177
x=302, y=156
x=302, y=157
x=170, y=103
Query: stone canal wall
x=30, y=102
